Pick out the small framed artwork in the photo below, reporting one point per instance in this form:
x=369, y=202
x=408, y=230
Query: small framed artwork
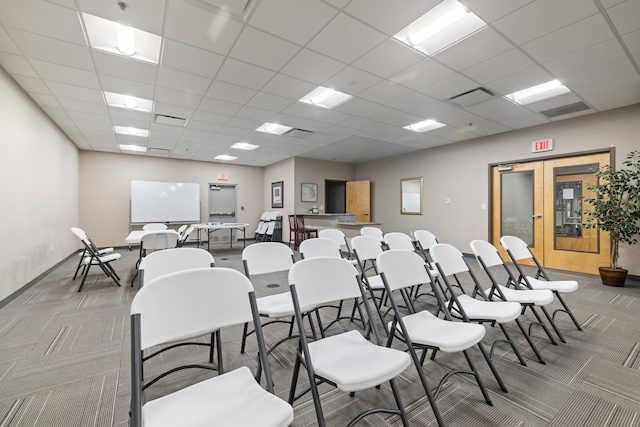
x=277, y=198
x=309, y=192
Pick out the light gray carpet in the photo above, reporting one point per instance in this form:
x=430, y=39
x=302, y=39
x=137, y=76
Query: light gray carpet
x=64, y=361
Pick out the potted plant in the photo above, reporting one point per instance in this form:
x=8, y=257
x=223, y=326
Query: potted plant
x=616, y=209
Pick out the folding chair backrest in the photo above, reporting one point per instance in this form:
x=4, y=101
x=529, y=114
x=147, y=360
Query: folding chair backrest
x=192, y=303
x=487, y=252
x=396, y=240
x=169, y=261
x=80, y=234
x=185, y=235
x=317, y=247
x=449, y=258
x=335, y=235
x=266, y=257
x=181, y=229
x=366, y=247
x=402, y=268
x=517, y=247
x=425, y=238
x=154, y=226
x=324, y=279
x=159, y=239
x=373, y=232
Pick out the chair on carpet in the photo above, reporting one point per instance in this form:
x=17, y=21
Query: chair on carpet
x=373, y=232
x=188, y=304
x=366, y=250
x=488, y=256
x=476, y=307
x=422, y=331
x=94, y=257
x=339, y=237
x=519, y=251
x=346, y=360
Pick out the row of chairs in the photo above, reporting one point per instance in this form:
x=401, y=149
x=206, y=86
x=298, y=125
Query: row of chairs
x=270, y=221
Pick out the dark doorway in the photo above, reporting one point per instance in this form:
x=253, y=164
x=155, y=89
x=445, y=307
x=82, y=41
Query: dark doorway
x=335, y=195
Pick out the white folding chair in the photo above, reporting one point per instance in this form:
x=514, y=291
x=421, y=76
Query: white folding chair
x=373, y=232
x=184, y=236
x=420, y=330
x=488, y=257
x=518, y=250
x=265, y=258
x=476, y=307
x=181, y=229
x=190, y=303
x=346, y=360
x=154, y=226
x=155, y=240
x=339, y=237
x=94, y=257
x=424, y=240
x=366, y=250
x=264, y=217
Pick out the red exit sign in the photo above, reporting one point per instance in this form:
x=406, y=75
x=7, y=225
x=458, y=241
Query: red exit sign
x=542, y=145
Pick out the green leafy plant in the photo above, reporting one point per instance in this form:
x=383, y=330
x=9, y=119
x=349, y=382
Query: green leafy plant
x=616, y=204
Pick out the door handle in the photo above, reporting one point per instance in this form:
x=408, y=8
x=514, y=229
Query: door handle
x=537, y=216
x=366, y=213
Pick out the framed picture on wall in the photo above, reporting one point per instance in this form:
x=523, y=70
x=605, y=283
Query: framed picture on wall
x=309, y=192
x=277, y=198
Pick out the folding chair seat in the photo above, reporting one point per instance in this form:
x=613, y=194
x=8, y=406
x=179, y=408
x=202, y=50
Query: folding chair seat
x=422, y=331
x=519, y=251
x=94, y=257
x=191, y=303
x=82, y=262
x=345, y=360
x=451, y=264
x=488, y=256
x=267, y=258
x=339, y=237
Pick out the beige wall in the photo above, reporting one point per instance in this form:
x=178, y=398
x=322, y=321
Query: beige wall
x=105, y=189
x=316, y=171
x=39, y=190
x=459, y=172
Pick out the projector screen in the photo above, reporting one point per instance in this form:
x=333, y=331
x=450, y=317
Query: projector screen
x=165, y=202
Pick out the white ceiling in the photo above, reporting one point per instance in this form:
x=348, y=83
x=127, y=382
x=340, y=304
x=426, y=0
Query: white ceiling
x=229, y=66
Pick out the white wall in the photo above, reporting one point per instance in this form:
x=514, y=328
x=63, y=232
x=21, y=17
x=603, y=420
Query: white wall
x=105, y=189
x=39, y=190
x=316, y=171
x=459, y=172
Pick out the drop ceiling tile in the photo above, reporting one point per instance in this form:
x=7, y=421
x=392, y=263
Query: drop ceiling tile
x=475, y=49
x=211, y=117
x=356, y=106
x=181, y=81
x=601, y=74
x=243, y=74
x=190, y=59
x=45, y=19
x=83, y=106
x=263, y=49
x=78, y=116
x=521, y=80
x=384, y=92
x=32, y=85
x=389, y=17
x=219, y=106
x=610, y=3
x=382, y=114
x=632, y=41
x=47, y=49
x=201, y=28
x=301, y=110
x=345, y=39
x=583, y=34
x=242, y=127
x=487, y=107
x=146, y=15
x=333, y=117
x=312, y=67
x=503, y=65
x=584, y=59
x=87, y=127
x=254, y=113
x=449, y=87
x=352, y=81
x=310, y=17
x=613, y=93
x=61, y=74
x=422, y=74
x=534, y=20
x=6, y=44
x=126, y=68
x=625, y=16
x=388, y=58
x=517, y=118
x=129, y=114
x=288, y=87
x=56, y=113
x=491, y=11
x=45, y=100
x=434, y=110
x=205, y=126
x=270, y=102
x=230, y=92
x=173, y=110
x=555, y=102
x=14, y=64
x=78, y=93
x=126, y=87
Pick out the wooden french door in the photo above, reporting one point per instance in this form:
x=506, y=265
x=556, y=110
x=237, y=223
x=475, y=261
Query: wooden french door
x=541, y=202
x=358, y=195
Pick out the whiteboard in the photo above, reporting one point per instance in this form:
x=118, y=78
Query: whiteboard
x=165, y=202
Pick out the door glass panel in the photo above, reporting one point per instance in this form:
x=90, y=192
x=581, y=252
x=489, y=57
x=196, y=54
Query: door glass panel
x=517, y=205
x=570, y=184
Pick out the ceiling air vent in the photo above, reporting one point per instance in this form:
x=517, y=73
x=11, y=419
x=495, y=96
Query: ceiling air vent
x=473, y=96
x=565, y=109
x=170, y=120
x=298, y=133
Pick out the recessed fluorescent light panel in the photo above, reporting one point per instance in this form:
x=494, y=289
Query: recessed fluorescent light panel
x=122, y=40
x=539, y=92
x=325, y=97
x=274, y=128
x=424, y=126
x=128, y=101
x=123, y=130
x=138, y=148
x=244, y=146
x=225, y=157
x=444, y=25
